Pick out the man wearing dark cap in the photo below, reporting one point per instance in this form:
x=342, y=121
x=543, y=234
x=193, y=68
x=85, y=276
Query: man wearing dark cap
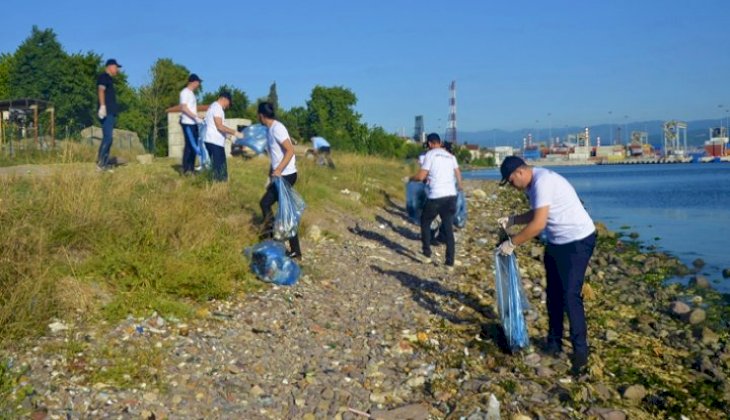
x=571, y=238
x=215, y=135
x=108, y=111
x=441, y=170
x=189, y=121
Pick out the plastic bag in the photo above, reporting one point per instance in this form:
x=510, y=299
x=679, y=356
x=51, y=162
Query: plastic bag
x=511, y=300
x=200, y=149
x=289, y=213
x=415, y=200
x=460, y=217
x=271, y=264
x=254, y=138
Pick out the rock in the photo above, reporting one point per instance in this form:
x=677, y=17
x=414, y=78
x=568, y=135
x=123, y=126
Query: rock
x=477, y=193
x=726, y=273
x=607, y=413
x=256, y=391
x=697, y=316
x=700, y=282
x=680, y=308
x=407, y=412
x=635, y=393
x=709, y=337
x=145, y=159
x=314, y=233
x=698, y=263
x=611, y=335
x=520, y=417
x=57, y=326
x=532, y=359
x=545, y=372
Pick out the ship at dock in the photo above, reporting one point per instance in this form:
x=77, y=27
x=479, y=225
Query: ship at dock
x=717, y=146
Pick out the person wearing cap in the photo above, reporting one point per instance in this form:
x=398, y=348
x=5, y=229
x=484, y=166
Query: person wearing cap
x=189, y=121
x=108, y=111
x=441, y=170
x=571, y=238
x=215, y=135
x=283, y=164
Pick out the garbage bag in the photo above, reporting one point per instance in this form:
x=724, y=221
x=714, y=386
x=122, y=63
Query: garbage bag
x=289, y=213
x=511, y=300
x=460, y=218
x=271, y=264
x=415, y=200
x=200, y=149
x=254, y=138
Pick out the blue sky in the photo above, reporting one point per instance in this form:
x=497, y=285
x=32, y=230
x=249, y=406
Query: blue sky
x=517, y=64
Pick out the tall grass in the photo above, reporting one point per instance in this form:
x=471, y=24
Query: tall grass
x=144, y=238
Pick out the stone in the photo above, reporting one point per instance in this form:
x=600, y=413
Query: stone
x=709, y=337
x=697, y=316
x=680, y=308
x=520, y=417
x=635, y=393
x=606, y=413
x=479, y=194
x=701, y=282
x=726, y=273
x=314, y=233
x=611, y=335
x=145, y=159
x=698, y=263
x=407, y=412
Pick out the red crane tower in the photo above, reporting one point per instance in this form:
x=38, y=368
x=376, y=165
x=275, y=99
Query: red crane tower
x=451, y=128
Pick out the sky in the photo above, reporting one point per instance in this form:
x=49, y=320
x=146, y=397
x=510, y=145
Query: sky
x=517, y=64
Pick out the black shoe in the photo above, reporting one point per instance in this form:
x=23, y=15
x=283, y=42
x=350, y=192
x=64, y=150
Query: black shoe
x=552, y=348
x=580, y=362
x=295, y=256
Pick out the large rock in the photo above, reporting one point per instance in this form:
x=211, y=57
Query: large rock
x=145, y=159
x=477, y=193
x=635, y=393
x=697, y=316
x=700, y=282
x=698, y=263
x=680, y=308
x=726, y=273
x=709, y=337
x=123, y=139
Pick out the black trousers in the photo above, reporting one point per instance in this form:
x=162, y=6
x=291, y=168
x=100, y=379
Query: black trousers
x=445, y=207
x=218, y=159
x=270, y=197
x=565, y=266
x=190, y=132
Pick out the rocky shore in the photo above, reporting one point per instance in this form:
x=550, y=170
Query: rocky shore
x=370, y=332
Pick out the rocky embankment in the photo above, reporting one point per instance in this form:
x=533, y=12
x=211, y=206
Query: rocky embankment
x=370, y=332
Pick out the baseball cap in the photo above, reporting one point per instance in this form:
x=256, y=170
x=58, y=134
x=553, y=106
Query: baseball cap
x=112, y=61
x=509, y=164
x=193, y=78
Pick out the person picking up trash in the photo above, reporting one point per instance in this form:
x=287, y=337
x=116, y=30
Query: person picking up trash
x=215, y=135
x=571, y=238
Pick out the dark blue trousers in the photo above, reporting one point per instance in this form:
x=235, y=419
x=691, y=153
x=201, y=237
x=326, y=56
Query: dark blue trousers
x=107, y=130
x=565, y=266
x=190, y=132
x=218, y=159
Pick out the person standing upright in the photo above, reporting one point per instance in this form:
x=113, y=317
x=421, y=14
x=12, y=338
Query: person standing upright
x=215, y=135
x=441, y=170
x=189, y=121
x=283, y=164
x=108, y=111
x=571, y=238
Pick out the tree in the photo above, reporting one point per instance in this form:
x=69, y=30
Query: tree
x=295, y=121
x=6, y=66
x=273, y=97
x=161, y=93
x=38, y=65
x=331, y=115
x=75, y=104
x=240, y=106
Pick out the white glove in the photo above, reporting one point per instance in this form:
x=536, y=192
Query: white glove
x=102, y=112
x=199, y=120
x=239, y=135
x=506, y=221
x=506, y=247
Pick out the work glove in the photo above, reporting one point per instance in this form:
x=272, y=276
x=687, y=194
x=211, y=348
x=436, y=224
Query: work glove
x=506, y=247
x=102, y=112
x=239, y=135
x=199, y=120
x=506, y=221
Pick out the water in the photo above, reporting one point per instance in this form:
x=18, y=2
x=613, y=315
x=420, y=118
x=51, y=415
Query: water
x=683, y=209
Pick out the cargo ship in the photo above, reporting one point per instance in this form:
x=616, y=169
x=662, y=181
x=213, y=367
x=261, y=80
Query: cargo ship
x=717, y=145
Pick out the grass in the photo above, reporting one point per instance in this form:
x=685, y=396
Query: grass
x=76, y=242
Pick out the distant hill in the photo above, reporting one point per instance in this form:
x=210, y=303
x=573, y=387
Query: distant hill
x=697, y=133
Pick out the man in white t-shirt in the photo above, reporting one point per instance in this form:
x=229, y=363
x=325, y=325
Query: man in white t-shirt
x=441, y=170
x=189, y=121
x=215, y=135
x=571, y=238
x=283, y=164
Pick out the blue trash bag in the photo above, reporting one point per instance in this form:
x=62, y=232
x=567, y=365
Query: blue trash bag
x=415, y=200
x=271, y=264
x=511, y=300
x=254, y=137
x=460, y=218
x=289, y=213
x=200, y=149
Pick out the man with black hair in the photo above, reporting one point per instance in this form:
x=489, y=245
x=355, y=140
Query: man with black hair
x=441, y=170
x=108, y=111
x=215, y=135
x=189, y=121
x=283, y=164
x=571, y=238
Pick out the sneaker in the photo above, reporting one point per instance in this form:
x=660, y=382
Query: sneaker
x=295, y=256
x=579, y=364
x=425, y=259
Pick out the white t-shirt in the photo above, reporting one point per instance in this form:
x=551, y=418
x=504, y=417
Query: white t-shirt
x=441, y=166
x=276, y=135
x=212, y=135
x=568, y=220
x=187, y=97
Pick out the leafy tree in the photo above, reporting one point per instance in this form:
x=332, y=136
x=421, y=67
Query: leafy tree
x=331, y=114
x=295, y=121
x=161, y=93
x=6, y=66
x=38, y=65
x=75, y=102
x=273, y=97
x=240, y=107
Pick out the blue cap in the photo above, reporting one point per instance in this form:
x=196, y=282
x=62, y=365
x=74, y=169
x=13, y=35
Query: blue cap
x=112, y=61
x=509, y=165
